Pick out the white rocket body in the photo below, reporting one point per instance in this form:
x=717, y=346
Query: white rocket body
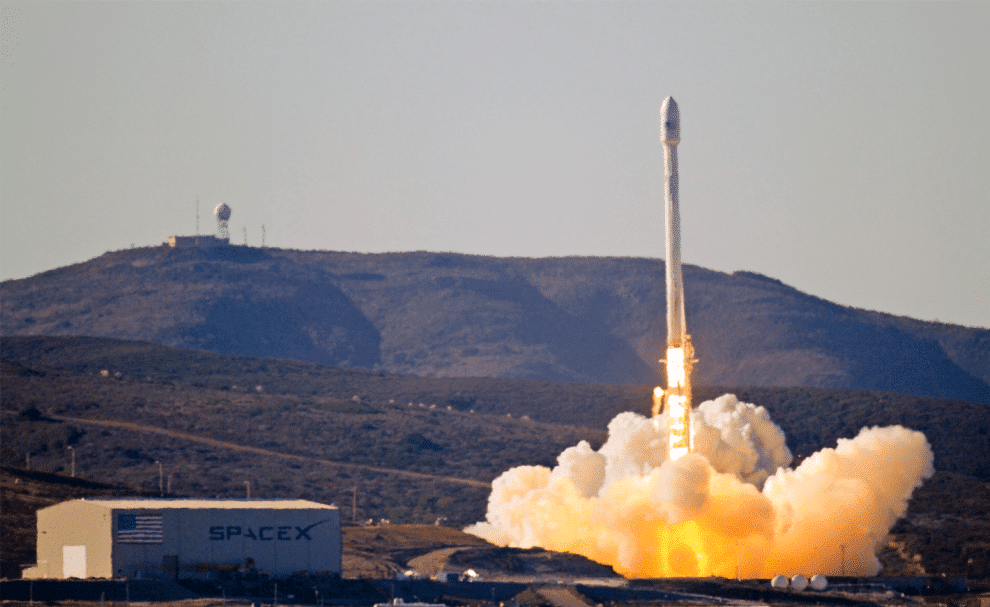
x=670, y=136
x=676, y=399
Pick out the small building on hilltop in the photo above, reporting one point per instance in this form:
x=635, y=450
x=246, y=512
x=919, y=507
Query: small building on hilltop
x=191, y=242
x=185, y=538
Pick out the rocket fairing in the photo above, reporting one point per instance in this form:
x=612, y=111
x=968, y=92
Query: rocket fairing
x=676, y=399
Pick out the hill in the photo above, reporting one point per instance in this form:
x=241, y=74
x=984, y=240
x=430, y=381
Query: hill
x=218, y=395
x=580, y=319
x=409, y=449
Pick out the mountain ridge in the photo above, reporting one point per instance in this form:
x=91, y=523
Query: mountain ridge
x=584, y=319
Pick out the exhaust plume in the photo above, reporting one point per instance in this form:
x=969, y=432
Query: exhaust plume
x=729, y=507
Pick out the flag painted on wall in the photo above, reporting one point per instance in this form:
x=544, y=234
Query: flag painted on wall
x=139, y=529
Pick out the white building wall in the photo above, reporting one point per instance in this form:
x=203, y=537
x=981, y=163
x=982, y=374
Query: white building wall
x=280, y=539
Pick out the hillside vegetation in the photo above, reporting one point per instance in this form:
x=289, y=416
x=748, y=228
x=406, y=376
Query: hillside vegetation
x=583, y=319
x=409, y=449
x=225, y=396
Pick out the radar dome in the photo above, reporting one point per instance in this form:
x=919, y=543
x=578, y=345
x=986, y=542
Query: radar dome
x=222, y=211
x=780, y=582
x=819, y=582
x=223, y=214
x=799, y=582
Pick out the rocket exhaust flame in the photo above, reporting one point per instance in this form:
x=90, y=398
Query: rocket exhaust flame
x=677, y=400
x=706, y=491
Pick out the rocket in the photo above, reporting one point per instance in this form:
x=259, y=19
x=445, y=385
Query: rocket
x=676, y=399
x=670, y=136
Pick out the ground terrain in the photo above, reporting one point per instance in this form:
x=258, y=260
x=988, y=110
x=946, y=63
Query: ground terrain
x=367, y=418
x=426, y=455
x=399, y=385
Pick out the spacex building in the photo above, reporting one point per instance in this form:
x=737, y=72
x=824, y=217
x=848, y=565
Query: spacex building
x=183, y=538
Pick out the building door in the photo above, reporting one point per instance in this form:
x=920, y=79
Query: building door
x=73, y=561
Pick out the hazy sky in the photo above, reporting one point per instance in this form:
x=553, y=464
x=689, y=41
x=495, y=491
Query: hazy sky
x=843, y=148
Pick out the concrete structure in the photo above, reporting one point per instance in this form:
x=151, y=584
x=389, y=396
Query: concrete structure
x=186, y=242
x=182, y=538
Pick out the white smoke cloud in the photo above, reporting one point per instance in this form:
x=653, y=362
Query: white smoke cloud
x=731, y=503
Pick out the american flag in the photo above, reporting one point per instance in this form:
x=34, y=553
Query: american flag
x=139, y=529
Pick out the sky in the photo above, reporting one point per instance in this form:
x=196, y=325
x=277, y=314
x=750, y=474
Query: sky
x=841, y=147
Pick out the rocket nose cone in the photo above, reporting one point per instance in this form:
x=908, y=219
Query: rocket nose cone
x=670, y=122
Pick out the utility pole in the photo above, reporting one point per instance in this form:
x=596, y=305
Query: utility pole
x=161, y=484
x=73, y=468
x=248, y=485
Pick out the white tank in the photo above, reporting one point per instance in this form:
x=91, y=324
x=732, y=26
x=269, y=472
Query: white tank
x=780, y=582
x=799, y=582
x=819, y=582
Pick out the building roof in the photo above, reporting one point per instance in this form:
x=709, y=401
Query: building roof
x=205, y=504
